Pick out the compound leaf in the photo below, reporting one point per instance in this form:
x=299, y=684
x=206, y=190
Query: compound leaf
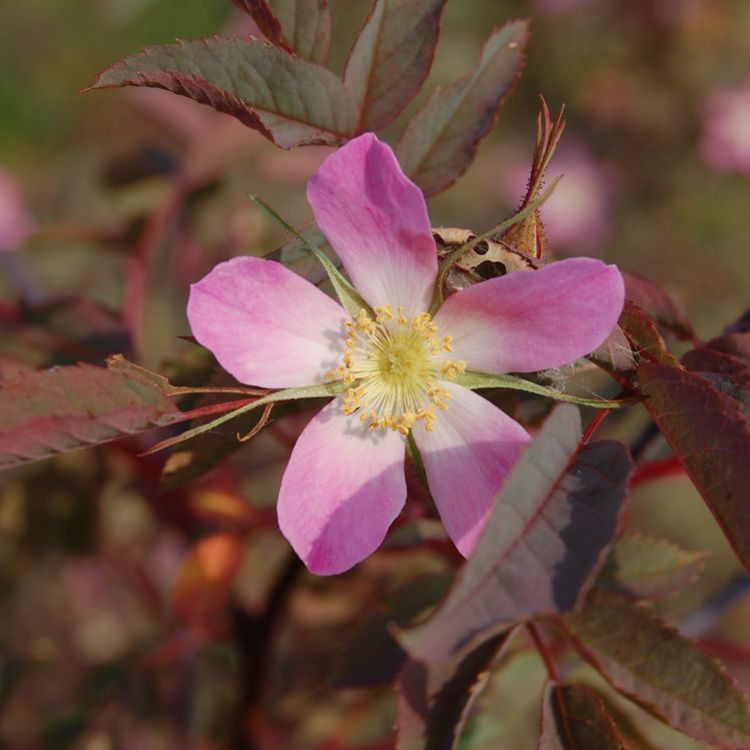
x=661, y=670
x=289, y=100
x=709, y=433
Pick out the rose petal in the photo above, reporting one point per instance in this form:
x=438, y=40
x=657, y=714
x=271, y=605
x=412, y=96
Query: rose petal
x=376, y=220
x=343, y=487
x=266, y=325
x=466, y=457
x=528, y=321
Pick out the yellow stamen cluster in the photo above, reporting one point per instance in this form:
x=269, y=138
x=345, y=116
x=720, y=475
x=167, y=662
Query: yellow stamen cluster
x=392, y=366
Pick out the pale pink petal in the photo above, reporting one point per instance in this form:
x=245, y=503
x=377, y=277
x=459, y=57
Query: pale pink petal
x=343, y=487
x=376, y=220
x=466, y=457
x=528, y=321
x=266, y=325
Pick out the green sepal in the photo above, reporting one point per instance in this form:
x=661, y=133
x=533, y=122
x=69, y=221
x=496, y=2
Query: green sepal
x=349, y=297
x=412, y=451
x=287, y=394
x=477, y=380
x=449, y=259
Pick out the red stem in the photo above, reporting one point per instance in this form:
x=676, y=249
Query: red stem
x=544, y=652
x=600, y=416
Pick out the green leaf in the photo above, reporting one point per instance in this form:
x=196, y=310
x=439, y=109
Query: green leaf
x=305, y=26
x=544, y=542
x=661, y=670
x=434, y=699
x=574, y=718
x=650, y=568
x=347, y=294
x=289, y=100
x=299, y=26
x=441, y=140
x=709, y=433
x=391, y=58
x=477, y=380
x=65, y=408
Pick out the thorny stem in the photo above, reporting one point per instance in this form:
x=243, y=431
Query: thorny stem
x=544, y=652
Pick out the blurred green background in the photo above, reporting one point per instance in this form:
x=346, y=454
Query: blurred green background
x=657, y=163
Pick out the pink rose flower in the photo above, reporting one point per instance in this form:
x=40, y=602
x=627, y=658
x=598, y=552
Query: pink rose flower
x=344, y=484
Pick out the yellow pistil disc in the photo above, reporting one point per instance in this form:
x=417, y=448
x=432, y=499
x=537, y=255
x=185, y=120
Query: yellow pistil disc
x=393, y=366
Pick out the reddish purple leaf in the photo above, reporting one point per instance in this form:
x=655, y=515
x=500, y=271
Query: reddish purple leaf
x=719, y=363
x=441, y=140
x=434, y=698
x=736, y=344
x=653, y=300
x=709, y=434
x=391, y=58
x=291, y=101
x=43, y=413
x=661, y=670
x=615, y=355
x=260, y=11
x=649, y=568
x=728, y=373
x=641, y=332
x=299, y=26
x=574, y=718
x=545, y=541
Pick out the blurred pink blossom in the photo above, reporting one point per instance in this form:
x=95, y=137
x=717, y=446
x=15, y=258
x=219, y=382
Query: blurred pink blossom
x=16, y=223
x=725, y=143
x=682, y=13
x=577, y=215
x=553, y=7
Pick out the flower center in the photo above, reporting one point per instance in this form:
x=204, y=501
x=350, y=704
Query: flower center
x=393, y=366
